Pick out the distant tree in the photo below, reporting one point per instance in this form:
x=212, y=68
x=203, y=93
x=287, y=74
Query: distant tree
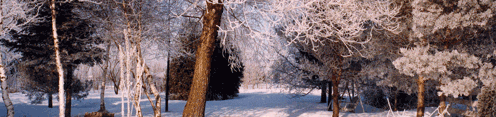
x=77, y=44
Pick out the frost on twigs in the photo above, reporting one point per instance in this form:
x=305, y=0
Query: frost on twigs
x=440, y=67
x=313, y=22
x=430, y=16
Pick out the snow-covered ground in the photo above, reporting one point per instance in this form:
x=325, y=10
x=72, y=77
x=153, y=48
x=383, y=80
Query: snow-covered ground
x=261, y=102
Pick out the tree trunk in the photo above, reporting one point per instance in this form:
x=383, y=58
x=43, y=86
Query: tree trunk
x=442, y=105
x=167, y=84
x=121, y=76
x=102, y=96
x=139, y=83
x=68, y=91
x=329, y=95
x=5, y=91
x=396, y=92
x=3, y=77
x=153, y=88
x=335, y=93
x=57, y=61
x=50, y=100
x=195, y=106
x=420, y=97
x=68, y=100
x=104, y=80
x=323, y=94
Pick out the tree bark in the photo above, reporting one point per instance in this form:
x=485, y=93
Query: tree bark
x=5, y=91
x=68, y=91
x=3, y=77
x=167, y=84
x=57, y=61
x=121, y=76
x=102, y=96
x=104, y=79
x=396, y=92
x=195, y=106
x=323, y=94
x=68, y=102
x=50, y=100
x=329, y=95
x=442, y=105
x=335, y=92
x=153, y=88
x=420, y=96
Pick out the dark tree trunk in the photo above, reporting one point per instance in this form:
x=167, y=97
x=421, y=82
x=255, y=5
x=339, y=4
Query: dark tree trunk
x=396, y=92
x=167, y=85
x=420, y=96
x=335, y=93
x=68, y=91
x=195, y=106
x=50, y=100
x=68, y=97
x=329, y=97
x=323, y=94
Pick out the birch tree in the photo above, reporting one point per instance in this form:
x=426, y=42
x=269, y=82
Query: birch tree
x=11, y=12
x=57, y=60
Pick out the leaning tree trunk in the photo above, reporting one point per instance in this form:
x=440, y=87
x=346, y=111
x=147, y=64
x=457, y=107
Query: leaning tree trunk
x=157, y=106
x=5, y=90
x=335, y=93
x=195, y=107
x=442, y=105
x=420, y=96
x=57, y=61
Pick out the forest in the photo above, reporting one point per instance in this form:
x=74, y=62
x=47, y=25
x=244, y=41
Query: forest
x=196, y=58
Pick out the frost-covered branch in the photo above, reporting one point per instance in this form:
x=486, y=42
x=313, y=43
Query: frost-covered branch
x=312, y=22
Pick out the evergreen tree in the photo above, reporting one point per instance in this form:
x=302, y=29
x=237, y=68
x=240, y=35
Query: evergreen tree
x=224, y=82
x=78, y=45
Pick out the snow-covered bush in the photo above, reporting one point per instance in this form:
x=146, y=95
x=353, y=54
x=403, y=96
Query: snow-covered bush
x=486, y=106
x=375, y=97
x=441, y=67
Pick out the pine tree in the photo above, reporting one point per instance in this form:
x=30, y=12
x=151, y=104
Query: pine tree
x=76, y=41
x=224, y=82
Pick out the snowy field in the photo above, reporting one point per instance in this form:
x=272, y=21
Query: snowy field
x=260, y=102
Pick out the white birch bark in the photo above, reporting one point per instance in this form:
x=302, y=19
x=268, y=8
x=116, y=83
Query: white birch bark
x=3, y=77
x=5, y=92
x=137, y=95
x=121, y=86
x=58, y=63
x=128, y=69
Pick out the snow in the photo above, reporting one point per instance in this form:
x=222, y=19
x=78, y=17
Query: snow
x=259, y=102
